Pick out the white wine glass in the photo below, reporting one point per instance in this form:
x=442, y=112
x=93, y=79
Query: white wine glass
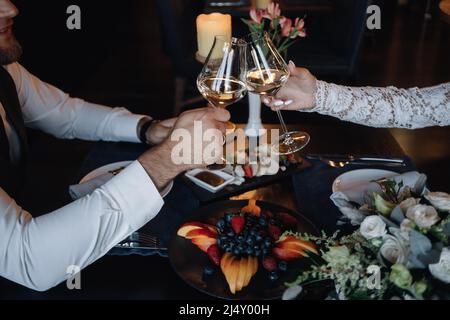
x=265, y=72
x=220, y=80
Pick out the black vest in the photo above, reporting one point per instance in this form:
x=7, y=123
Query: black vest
x=11, y=175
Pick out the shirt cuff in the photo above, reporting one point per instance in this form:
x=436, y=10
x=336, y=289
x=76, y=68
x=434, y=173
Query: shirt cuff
x=126, y=126
x=135, y=194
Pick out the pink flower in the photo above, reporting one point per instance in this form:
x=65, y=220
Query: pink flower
x=286, y=26
x=257, y=15
x=299, y=26
x=273, y=10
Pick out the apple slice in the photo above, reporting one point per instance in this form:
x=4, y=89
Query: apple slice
x=199, y=233
x=187, y=227
x=288, y=254
x=252, y=208
x=249, y=270
x=204, y=243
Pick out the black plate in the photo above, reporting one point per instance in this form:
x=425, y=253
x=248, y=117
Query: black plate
x=188, y=261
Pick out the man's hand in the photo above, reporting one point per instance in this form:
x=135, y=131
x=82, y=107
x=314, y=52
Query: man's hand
x=158, y=161
x=298, y=93
x=159, y=131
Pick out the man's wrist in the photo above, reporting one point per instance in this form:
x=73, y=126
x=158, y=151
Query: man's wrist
x=159, y=166
x=142, y=128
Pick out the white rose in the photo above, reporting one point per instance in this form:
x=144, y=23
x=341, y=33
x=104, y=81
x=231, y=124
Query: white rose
x=406, y=225
x=423, y=216
x=393, y=251
x=408, y=203
x=440, y=200
x=373, y=227
x=441, y=270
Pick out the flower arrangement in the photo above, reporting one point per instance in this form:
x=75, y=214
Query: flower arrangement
x=400, y=250
x=283, y=31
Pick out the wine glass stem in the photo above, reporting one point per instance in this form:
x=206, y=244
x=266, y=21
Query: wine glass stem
x=287, y=137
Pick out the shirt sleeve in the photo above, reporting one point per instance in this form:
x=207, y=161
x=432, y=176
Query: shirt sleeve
x=385, y=107
x=37, y=252
x=49, y=109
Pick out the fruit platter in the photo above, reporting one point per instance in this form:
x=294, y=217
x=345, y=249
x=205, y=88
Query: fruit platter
x=241, y=250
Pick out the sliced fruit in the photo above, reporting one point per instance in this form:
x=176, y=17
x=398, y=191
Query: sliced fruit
x=204, y=243
x=252, y=208
x=238, y=224
x=288, y=254
x=249, y=271
x=233, y=274
x=225, y=266
x=214, y=254
x=248, y=171
x=196, y=233
x=185, y=228
x=291, y=242
x=242, y=275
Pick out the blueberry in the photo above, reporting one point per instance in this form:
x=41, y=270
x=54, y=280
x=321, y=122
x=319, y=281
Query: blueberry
x=240, y=238
x=229, y=249
x=257, y=253
x=250, y=241
x=267, y=242
x=253, y=231
x=220, y=224
x=272, y=222
x=241, y=248
x=231, y=234
x=259, y=238
x=208, y=270
x=262, y=221
x=250, y=251
x=266, y=251
x=282, y=265
x=237, y=252
x=273, y=276
x=228, y=217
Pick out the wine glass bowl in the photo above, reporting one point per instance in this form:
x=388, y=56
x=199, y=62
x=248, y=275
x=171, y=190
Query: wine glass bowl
x=220, y=80
x=265, y=73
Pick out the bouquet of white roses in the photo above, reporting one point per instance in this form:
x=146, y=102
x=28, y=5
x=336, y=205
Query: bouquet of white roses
x=400, y=250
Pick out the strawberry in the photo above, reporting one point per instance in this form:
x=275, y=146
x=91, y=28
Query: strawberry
x=274, y=232
x=248, y=171
x=238, y=224
x=291, y=158
x=288, y=220
x=269, y=263
x=214, y=254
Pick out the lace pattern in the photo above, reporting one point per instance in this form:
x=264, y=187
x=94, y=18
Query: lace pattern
x=385, y=107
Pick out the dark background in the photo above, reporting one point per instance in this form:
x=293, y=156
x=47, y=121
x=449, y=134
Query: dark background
x=118, y=59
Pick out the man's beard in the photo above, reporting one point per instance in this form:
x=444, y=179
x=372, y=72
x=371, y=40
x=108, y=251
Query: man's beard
x=10, y=54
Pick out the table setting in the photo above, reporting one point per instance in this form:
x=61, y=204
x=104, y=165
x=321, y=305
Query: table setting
x=351, y=208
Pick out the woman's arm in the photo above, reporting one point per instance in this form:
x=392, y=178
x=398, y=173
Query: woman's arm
x=371, y=106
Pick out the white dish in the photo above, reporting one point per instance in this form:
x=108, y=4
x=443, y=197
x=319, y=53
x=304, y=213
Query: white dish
x=114, y=166
x=225, y=176
x=352, y=179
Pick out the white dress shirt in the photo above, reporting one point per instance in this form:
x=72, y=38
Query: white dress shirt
x=36, y=252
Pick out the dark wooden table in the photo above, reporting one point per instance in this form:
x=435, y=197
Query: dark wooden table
x=136, y=277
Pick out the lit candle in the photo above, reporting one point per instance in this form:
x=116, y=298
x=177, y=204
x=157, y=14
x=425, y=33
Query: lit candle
x=262, y=4
x=209, y=26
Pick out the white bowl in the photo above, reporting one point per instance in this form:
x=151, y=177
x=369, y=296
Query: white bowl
x=225, y=176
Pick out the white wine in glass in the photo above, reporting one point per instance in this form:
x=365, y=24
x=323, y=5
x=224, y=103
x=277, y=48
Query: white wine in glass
x=220, y=80
x=265, y=72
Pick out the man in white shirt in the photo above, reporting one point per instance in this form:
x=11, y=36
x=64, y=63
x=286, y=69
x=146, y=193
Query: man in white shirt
x=36, y=252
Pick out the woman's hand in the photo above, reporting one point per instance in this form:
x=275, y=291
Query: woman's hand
x=298, y=93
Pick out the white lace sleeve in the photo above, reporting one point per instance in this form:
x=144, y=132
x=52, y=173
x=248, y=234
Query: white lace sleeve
x=385, y=107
